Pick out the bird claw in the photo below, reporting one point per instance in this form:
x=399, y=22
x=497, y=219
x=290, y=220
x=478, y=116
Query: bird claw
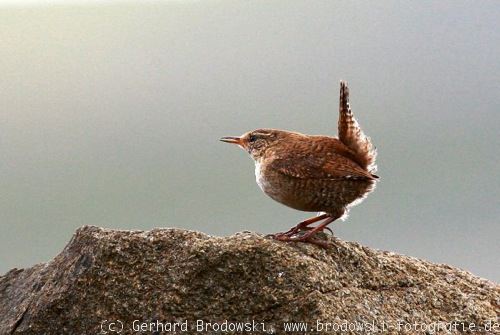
x=309, y=228
x=284, y=237
x=294, y=231
x=319, y=243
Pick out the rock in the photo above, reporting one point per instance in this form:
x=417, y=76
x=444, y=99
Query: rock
x=106, y=280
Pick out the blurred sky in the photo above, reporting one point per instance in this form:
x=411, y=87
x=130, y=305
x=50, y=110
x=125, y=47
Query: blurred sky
x=111, y=114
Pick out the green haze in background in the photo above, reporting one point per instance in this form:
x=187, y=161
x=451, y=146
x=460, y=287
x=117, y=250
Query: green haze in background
x=110, y=115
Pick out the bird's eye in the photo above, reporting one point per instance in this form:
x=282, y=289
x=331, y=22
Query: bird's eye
x=252, y=138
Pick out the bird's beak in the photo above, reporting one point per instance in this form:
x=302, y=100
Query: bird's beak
x=235, y=140
x=232, y=139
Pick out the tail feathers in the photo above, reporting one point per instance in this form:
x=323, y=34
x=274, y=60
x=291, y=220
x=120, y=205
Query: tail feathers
x=352, y=136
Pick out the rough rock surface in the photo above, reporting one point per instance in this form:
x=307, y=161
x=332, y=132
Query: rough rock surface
x=164, y=276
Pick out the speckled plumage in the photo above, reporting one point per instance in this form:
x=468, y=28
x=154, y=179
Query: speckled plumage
x=314, y=173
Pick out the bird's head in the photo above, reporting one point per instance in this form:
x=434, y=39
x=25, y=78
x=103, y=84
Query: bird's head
x=256, y=142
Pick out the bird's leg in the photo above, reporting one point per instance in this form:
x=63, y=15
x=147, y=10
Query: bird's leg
x=303, y=225
x=307, y=236
x=326, y=228
x=300, y=226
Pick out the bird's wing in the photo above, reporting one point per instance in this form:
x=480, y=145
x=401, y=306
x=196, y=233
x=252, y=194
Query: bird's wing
x=351, y=135
x=333, y=166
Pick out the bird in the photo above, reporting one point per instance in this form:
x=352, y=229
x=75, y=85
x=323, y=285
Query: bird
x=313, y=173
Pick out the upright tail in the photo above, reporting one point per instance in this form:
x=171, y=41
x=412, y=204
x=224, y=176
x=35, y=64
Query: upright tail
x=352, y=136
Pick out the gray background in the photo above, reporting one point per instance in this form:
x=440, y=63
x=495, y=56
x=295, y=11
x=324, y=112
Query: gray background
x=110, y=115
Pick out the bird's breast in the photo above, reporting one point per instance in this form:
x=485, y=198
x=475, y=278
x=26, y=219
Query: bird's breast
x=259, y=177
x=272, y=183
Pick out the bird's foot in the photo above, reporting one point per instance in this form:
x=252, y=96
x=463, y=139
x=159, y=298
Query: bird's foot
x=305, y=238
x=319, y=243
x=284, y=235
x=303, y=225
x=294, y=231
x=310, y=228
x=279, y=236
x=304, y=233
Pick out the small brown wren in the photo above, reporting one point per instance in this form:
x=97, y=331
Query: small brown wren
x=313, y=173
